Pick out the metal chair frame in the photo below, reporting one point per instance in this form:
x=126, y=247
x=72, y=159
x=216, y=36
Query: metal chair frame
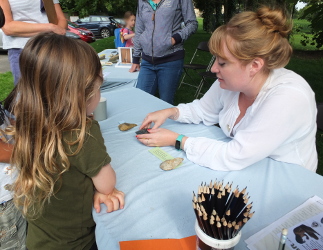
x=203, y=80
x=202, y=46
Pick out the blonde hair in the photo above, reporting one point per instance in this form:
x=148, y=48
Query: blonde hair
x=261, y=34
x=59, y=75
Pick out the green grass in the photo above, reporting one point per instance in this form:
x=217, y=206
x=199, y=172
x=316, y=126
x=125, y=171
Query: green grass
x=310, y=69
x=6, y=84
x=102, y=44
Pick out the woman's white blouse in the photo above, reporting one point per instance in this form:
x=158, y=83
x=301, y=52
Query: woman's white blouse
x=280, y=124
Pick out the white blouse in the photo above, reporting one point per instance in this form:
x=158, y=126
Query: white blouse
x=25, y=11
x=280, y=124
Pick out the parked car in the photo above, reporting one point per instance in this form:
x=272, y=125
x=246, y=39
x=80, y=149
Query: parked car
x=72, y=35
x=121, y=22
x=103, y=26
x=85, y=34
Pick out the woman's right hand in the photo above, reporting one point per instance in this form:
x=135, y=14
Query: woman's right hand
x=57, y=29
x=135, y=67
x=158, y=117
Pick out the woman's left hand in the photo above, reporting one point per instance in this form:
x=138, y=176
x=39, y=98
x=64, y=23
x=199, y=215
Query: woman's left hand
x=159, y=137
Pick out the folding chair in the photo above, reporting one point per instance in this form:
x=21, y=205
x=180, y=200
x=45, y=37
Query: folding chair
x=206, y=75
x=319, y=117
x=202, y=46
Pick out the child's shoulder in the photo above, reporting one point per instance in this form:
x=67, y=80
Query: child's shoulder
x=93, y=137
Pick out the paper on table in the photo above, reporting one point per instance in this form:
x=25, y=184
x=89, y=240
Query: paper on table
x=307, y=234
x=268, y=238
x=188, y=243
x=161, y=154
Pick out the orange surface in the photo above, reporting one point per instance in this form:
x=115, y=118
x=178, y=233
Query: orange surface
x=188, y=243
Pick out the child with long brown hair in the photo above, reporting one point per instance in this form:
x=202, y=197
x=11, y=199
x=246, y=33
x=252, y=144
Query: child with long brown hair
x=59, y=150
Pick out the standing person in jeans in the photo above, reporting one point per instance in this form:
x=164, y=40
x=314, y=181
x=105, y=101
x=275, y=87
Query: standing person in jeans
x=159, y=42
x=25, y=19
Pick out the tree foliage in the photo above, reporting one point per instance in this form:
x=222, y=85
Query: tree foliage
x=83, y=8
x=218, y=12
x=314, y=13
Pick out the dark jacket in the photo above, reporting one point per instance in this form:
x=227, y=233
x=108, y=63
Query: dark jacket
x=154, y=30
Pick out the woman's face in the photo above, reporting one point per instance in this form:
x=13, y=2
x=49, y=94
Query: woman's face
x=231, y=74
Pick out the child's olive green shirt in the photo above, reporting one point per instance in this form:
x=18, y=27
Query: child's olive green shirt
x=66, y=222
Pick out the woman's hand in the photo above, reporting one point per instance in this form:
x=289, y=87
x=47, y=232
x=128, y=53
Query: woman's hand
x=57, y=29
x=173, y=41
x=114, y=201
x=134, y=67
x=158, y=117
x=159, y=137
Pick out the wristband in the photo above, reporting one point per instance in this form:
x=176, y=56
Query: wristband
x=179, y=142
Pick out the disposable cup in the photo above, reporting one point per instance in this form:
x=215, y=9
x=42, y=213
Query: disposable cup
x=205, y=242
x=100, y=113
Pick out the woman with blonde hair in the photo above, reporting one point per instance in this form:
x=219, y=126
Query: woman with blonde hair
x=266, y=110
x=59, y=150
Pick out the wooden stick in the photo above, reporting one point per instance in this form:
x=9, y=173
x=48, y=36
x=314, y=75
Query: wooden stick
x=198, y=217
x=218, y=225
x=225, y=235
x=207, y=226
x=214, y=229
x=229, y=233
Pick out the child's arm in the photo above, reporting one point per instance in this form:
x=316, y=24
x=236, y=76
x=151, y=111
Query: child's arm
x=105, y=180
x=5, y=152
x=128, y=36
x=104, y=183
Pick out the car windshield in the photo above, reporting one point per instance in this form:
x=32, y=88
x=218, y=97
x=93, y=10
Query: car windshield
x=113, y=20
x=73, y=25
x=105, y=19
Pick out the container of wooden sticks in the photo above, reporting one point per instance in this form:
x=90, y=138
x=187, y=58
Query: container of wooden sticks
x=221, y=213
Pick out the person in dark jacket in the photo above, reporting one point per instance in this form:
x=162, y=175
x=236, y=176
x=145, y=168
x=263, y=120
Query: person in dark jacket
x=159, y=40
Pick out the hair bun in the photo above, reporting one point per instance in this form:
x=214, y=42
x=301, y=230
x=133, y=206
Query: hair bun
x=275, y=20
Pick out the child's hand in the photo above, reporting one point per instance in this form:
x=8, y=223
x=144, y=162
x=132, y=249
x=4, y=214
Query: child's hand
x=114, y=201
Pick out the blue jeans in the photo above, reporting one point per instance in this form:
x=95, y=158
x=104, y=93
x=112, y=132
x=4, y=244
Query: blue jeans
x=13, y=56
x=12, y=227
x=164, y=76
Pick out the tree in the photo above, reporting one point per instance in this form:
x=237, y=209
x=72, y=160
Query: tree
x=314, y=13
x=217, y=12
x=91, y=7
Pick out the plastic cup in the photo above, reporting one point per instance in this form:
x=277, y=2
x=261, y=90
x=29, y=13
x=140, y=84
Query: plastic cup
x=205, y=242
x=100, y=113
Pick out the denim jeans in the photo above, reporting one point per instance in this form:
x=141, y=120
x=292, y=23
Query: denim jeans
x=13, y=56
x=164, y=76
x=12, y=227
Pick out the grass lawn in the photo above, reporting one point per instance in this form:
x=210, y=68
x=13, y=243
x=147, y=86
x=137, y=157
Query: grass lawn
x=308, y=67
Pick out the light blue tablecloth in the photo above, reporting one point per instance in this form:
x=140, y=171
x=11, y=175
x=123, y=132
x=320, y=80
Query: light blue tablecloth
x=159, y=204
x=116, y=77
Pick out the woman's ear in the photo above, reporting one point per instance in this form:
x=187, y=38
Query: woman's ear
x=256, y=65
